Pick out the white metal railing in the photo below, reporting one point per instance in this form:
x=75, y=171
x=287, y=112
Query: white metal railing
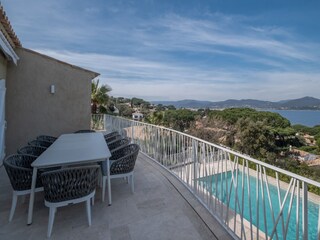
x=97, y=121
x=247, y=196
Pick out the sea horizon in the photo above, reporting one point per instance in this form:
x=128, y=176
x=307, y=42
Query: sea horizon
x=309, y=118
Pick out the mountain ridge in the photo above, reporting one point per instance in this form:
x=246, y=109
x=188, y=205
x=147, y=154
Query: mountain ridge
x=304, y=103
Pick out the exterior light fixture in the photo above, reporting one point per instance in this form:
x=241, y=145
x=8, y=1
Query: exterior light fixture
x=52, y=89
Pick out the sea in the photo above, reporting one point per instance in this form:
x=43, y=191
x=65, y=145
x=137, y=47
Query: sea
x=308, y=118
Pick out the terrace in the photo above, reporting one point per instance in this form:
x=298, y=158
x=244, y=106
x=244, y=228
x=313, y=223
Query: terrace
x=160, y=208
x=186, y=188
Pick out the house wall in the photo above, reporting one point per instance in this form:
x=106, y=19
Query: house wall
x=31, y=109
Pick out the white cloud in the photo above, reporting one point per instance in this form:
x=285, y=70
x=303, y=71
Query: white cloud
x=215, y=57
x=209, y=35
x=130, y=77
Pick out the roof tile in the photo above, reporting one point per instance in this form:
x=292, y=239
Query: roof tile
x=8, y=28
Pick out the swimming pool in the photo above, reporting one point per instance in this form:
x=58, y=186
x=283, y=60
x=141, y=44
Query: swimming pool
x=214, y=182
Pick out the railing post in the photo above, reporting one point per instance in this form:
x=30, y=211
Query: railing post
x=157, y=144
x=194, y=159
x=119, y=128
x=105, y=122
x=132, y=132
x=304, y=210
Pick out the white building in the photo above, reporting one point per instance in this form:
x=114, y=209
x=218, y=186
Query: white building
x=137, y=116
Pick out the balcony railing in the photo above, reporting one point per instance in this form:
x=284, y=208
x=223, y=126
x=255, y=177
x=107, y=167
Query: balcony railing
x=251, y=199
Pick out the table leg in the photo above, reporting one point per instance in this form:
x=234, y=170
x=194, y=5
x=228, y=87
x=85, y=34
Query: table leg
x=109, y=182
x=31, y=201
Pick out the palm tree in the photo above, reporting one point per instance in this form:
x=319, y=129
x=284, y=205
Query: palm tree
x=99, y=95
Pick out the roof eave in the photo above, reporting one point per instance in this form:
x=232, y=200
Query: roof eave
x=7, y=49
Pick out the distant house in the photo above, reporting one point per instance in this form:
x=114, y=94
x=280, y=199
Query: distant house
x=38, y=94
x=308, y=157
x=137, y=116
x=304, y=156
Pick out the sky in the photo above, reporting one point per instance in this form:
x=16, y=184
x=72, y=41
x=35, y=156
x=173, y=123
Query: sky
x=181, y=49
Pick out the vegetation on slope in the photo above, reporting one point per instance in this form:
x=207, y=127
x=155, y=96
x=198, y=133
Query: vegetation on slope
x=263, y=135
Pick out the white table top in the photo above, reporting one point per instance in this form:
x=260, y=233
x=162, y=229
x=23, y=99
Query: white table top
x=74, y=149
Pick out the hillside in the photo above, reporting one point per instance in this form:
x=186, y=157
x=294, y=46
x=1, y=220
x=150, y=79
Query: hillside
x=294, y=104
x=301, y=103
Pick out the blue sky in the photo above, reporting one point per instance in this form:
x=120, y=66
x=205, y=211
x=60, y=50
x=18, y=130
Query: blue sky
x=181, y=49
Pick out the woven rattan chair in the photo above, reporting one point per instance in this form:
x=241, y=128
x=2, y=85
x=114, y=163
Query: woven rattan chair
x=113, y=138
x=32, y=150
x=46, y=138
x=122, y=165
x=106, y=136
x=40, y=143
x=19, y=170
x=116, y=145
x=69, y=186
x=85, y=131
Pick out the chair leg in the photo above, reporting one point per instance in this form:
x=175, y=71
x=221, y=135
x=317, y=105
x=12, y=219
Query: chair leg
x=88, y=207
x=109, y=191
x=92, y=201
x=103, y=188
x=100, y=179
x=13, y=206
x=52, y=211
x=132, y=184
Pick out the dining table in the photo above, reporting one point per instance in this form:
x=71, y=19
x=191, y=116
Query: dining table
x=71, y=149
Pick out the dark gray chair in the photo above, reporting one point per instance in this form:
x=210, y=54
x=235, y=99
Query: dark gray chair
x=106, y=136
x=69, y=186
x=19, y=170
x=117, y=144
x=122, y=164
x=85, y=131
x=113, y=138
x=40, y=143
x=46, y=138
x=32, y=150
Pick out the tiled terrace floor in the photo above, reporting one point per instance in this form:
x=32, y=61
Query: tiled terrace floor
x=161, y=208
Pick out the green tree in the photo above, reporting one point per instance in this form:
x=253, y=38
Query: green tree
x=156, y=118
x=179, y=119
x=99, y=97
x=171, y=107
x=125, y=110
x=160, y=107
x=232, y=115
x=138, y=102
x=318, y=145
x=254, y=138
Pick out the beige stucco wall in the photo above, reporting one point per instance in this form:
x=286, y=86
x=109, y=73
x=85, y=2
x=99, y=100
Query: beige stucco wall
x=31, y=109
x=3, y=66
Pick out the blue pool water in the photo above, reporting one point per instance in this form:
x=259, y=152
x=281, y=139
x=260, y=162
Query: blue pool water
x=313, y=209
